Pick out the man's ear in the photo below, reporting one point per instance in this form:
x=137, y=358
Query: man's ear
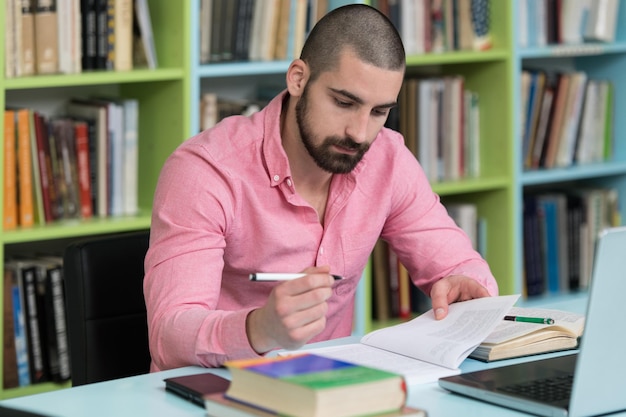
x=297, y=76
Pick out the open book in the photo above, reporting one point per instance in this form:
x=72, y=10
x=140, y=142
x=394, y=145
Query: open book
x=425, y=349
x=513, y=339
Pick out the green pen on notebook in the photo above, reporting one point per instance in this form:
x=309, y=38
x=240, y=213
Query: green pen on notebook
x=538, y=320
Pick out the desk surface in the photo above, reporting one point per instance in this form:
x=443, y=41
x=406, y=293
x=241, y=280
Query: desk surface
x=146, y=395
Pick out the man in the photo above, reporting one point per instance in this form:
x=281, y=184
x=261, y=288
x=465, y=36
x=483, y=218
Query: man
x=307, y=184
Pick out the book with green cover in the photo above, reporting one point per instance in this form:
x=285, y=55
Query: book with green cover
x=217, y=405
x=309, y=385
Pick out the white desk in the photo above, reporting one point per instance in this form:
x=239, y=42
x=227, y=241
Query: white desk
x=145, y=395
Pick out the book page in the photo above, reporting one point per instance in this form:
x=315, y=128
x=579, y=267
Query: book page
x=444, y=342
x=414, y=371
x=563, y=320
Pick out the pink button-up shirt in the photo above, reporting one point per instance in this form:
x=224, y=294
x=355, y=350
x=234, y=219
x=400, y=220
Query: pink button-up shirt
x=226, y=206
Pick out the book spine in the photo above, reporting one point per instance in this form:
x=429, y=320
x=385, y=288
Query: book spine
x=56, y=169
x=46, y=36
x=101, y=16
x=38, y=209
x=88, y=34
x=81, y=136
x=41, y=273
x=10, y=170
x=206, y=9
x=93, y=163
x=116, y=159
x=37, y=373
x=10, y=41
x=45, y=170
x=9, y=353
x=123, y=22
x=28, y=38
x=147, y=37
x=130, y=157
x=110, y=35
x=21, y=341
x=51, y=299
x=57, y=299
x=67, y=155
x=24, y=170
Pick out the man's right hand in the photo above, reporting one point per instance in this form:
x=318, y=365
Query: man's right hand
x=294, y=313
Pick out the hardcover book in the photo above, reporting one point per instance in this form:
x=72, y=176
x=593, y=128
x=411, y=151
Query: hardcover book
x=309, y=385
x=513, y=339
x=218, y=405
x=46, y=36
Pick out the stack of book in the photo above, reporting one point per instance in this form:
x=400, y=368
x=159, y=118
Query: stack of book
x=308, y=385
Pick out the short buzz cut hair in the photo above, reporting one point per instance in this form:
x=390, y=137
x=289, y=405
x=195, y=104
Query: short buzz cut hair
x=357, y=27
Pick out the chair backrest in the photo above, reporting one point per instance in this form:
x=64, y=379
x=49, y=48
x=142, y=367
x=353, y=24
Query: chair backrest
x=106, y=311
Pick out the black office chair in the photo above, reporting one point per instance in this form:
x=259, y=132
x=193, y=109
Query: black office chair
x=106, y=312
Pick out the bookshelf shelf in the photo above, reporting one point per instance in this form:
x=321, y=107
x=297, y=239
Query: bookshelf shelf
x=560, y=51
x=77, y=228
x=471, y=185
x=457, y=57
x=236, y=69
x=94, y=78
x=575, y=173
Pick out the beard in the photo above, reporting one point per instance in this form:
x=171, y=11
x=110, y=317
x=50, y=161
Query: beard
x=323, y=154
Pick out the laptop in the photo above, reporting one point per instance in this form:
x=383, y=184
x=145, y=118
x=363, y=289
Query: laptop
x=596, y=374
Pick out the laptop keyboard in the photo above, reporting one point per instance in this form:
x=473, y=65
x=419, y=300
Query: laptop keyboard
x=546, y=390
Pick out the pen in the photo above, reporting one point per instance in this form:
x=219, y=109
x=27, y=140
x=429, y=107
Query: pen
x=276, y=276
x=539, y=320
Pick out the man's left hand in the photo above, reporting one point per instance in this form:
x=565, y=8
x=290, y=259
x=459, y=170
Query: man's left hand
x=452, y=289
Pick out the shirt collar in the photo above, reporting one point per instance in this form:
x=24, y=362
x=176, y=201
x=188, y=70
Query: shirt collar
x=275, y=157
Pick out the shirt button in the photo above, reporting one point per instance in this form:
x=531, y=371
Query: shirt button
x=321, y=250
x=289, y=182
x=276, y=177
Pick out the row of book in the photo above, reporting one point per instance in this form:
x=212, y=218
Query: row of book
x=567, y=119
x=393, y=294
x=34, y=322
x=214, y=108
x=440, y=121
x=301, y=385
x=549, y=22
x=76, y=166
x=71, y=36
x=560, y=230
x=255, y=30
x=439, y=25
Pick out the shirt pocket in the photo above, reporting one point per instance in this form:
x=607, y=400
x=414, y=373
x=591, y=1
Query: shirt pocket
x=357, y=248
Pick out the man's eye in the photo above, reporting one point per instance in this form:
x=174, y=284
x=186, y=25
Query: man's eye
x=380, y=112
x=343, y=103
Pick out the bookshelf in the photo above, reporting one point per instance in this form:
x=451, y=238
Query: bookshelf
x=164, y=108
x=600, y=61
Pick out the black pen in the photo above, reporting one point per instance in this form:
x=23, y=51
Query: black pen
x=281, y=276
x=538, y=320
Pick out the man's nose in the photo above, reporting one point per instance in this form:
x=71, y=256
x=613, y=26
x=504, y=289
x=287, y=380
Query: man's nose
x=358, y=125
